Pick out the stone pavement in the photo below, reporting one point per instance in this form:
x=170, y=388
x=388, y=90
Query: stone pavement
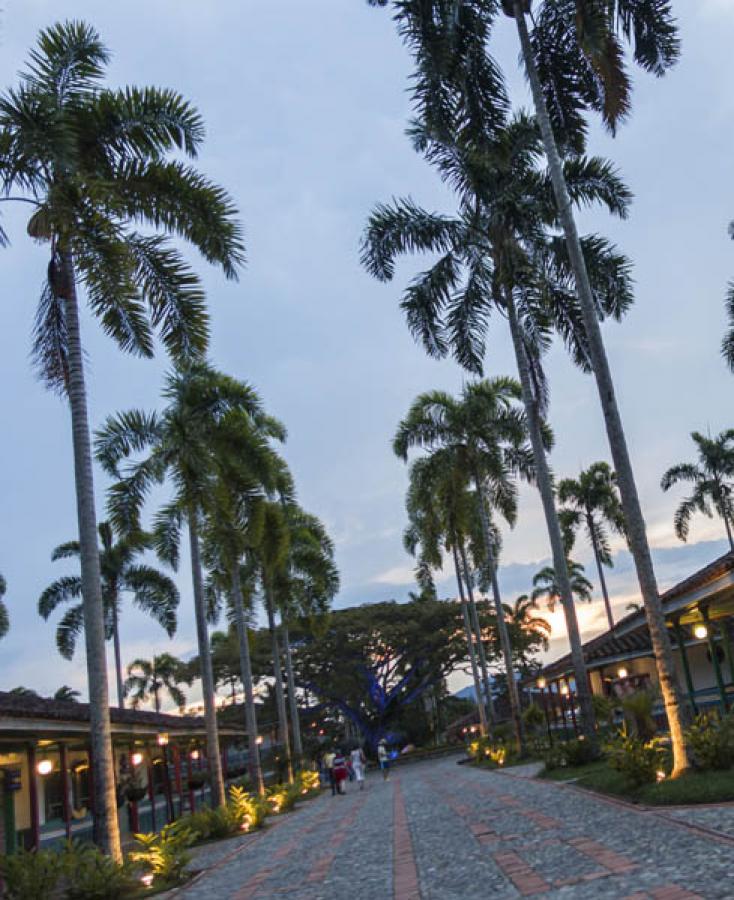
x=439, y=831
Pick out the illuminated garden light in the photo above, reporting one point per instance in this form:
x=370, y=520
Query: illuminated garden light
x=195, y=754
x=660, y=775
x=147, y=880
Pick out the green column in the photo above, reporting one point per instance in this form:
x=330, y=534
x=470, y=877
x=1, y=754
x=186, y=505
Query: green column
x=8, y=814
x=680, y=640
x=724, y=629
x=714, y=657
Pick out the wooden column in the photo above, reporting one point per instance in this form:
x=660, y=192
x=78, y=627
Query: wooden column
x=133, y=804
x=192, y=797
x=177, y=778
x=64, y=765
x=151, y=789
x=33, y=798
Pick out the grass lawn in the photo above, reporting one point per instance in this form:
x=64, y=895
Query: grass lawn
x=696, y=787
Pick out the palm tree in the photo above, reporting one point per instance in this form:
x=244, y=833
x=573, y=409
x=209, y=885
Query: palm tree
x=271, y=554
x=147, y=678
x=501, y=251
x=152, y=591
x=593, y=500
x=575, y=63
x=90, y=161
x=249, y=471
x=67, y=694
x=546, y=586
x=712, y=483
x=488, y=432
x=527, y=629
x=185, y=445
x=443, y=517
x=304, y=588
x=4, y=617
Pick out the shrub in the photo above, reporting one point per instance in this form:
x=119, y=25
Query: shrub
x=604, y=708
x=90, y=875
x=29, y=875
x=247, y=811
x=533, y=717
x=640, y=761
x=638, y=712
x=711, y=738
x=488, y=752
x=164, y=855
x=282, y=797
x=578, y=752
x=308, y=781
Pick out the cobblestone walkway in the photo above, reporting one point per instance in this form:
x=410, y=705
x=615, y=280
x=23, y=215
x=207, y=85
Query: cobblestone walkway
x=438, y=831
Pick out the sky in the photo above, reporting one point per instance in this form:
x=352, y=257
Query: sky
x=305, y=106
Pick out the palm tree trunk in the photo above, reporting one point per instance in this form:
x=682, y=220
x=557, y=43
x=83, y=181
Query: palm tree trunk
x=278, y=675
x=156, y=697
x=727, y=525
x=600, y=570
x=504, y=634
x=545, y=487
x=106, y=825
x=205, y=660
x=295, y=718
x=474, y=618
x=247, y=683
x=636, y=530
x=118, y=656
x=470, y=645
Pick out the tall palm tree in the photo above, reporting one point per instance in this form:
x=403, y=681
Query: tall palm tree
x=711, y=477
x=574, y=62
x=90, y=161
x=546, y=586
x=4, y=617
x=304, y=588
x=501, y=251
x=152, y=591
x=185, y=444
x=526, y=628
x=488, y=431
x=67, y=694
x=593, y=500
x=443, y=517
x=148, y=678
x=235, y=518
x=271, y=554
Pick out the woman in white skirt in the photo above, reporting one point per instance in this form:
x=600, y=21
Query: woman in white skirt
x=358, y=764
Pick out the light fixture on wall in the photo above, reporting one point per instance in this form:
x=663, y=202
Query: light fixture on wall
x=45, y=767
x=259, y=738
x=195, y=754
x=700, y=631
x=541, y=682
x=163, y=740
x=136, y=759
x=564, y=690
x=622, y=672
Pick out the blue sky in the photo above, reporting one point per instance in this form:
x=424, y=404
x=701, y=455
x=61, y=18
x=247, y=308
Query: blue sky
x=305, y=106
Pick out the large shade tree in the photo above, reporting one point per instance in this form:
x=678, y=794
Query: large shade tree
x=183, y=445
x=712, y=482
x=573, y=56
x=152, y=591
x=487, y=429
x=372, y=662
x=592, y=501
x=92, y=163
x=501, y=251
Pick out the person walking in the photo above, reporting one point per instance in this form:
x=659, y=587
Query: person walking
x=359, y=761
x=383, y=759
x=341, y=772
x=328, y=761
